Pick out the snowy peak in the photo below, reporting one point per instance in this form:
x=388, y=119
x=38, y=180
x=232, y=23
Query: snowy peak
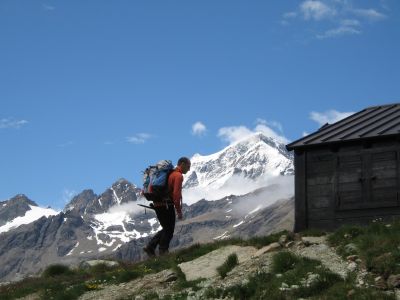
x=87, y=202
x=14, y=207
x=81, y=201
x=19, y=199
x=20, y=210
x=251, y=158
x=123, y=191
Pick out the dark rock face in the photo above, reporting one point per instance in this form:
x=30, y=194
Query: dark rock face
x=115, y=228
x=191, y=181
x=15, y=207
x=29, y=248
x=87, y=202
x=131, y=251
x=120, y=192
x=81, y=201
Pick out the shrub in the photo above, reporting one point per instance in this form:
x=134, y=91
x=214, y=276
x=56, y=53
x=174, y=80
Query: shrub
x=127, y=275
x=56, y=270
x=284, y=261
x=228, y=265
x=100, y=269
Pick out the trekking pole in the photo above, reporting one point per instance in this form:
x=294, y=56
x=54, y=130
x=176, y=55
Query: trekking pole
x=146, y=206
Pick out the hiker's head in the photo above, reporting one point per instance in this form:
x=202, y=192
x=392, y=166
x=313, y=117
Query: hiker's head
x=184, y=164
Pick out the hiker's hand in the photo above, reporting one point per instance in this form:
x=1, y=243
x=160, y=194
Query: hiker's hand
x=180, y=216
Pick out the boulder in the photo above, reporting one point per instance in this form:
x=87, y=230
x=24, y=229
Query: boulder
x=91, y=263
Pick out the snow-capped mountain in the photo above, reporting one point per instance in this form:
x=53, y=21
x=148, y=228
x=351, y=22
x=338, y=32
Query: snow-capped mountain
x=87, y=202
x=252, y=158
x=240, y=168
x=20, y=210
x=112, y=224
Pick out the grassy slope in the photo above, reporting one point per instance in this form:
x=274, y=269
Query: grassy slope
x=291, y=277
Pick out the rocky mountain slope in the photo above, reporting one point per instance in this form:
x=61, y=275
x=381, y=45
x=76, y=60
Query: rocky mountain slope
x=69, y=237
x=113, y=225
x=281, y=266
x=13, y=208
x=251, y=262
x=21, y=210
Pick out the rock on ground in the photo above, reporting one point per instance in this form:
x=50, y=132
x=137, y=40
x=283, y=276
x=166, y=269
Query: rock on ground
x=318, y=250
x=206, y=265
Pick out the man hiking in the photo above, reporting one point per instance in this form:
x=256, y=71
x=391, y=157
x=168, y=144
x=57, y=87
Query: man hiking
x=165, y=210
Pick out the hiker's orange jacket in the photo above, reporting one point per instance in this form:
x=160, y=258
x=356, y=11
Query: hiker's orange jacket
x=175, y=180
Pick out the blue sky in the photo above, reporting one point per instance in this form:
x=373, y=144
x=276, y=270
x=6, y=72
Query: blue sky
x=92, y=91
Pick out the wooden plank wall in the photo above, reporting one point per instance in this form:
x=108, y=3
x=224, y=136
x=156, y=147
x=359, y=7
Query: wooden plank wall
x=300, y=207
x=320, y=181
x=316, y=185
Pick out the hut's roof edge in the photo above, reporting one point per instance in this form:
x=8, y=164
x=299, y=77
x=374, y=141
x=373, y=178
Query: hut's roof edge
x=374, y=121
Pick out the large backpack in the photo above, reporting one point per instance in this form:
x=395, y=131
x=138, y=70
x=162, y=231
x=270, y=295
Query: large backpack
x=155, y=181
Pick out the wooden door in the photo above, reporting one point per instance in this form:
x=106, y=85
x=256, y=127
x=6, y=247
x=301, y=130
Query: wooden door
x=349, y=181
x=367, y=180
x=382, y=179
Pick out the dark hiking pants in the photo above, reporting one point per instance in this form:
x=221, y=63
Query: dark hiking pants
x=166, y=217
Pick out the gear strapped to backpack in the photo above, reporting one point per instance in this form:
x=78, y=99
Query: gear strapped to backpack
x=155, y=181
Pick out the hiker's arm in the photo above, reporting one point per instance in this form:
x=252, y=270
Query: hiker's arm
x=177, y=195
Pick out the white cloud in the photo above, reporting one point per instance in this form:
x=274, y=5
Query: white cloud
x=330, y=116
x=316, y=10
x=350, y=22
x=369, y=14
x=198, y=129
x=346, y=27
x=341, y=30
x=139, y=138
x=274, y=124
x=131, y=208
x=48, y=7
x=268, y=131
x=11, y=123
x=335, y=17
x=280, y=187
x=233, y=134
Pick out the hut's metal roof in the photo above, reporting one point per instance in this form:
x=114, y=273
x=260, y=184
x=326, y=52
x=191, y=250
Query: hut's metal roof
x=371, y=122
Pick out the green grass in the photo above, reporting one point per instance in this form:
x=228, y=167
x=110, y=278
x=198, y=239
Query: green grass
x=64, y=286
x=292, y=271
x=376, y=244
x=231, y=261
x=284, y=261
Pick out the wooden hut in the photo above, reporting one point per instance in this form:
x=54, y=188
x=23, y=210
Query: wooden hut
x=348, y=172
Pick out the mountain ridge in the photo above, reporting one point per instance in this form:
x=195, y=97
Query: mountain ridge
x=112, y=224
x=251, y=158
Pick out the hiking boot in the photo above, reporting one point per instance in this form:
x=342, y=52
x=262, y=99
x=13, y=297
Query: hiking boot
x=163, y=252
x=149, y=251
